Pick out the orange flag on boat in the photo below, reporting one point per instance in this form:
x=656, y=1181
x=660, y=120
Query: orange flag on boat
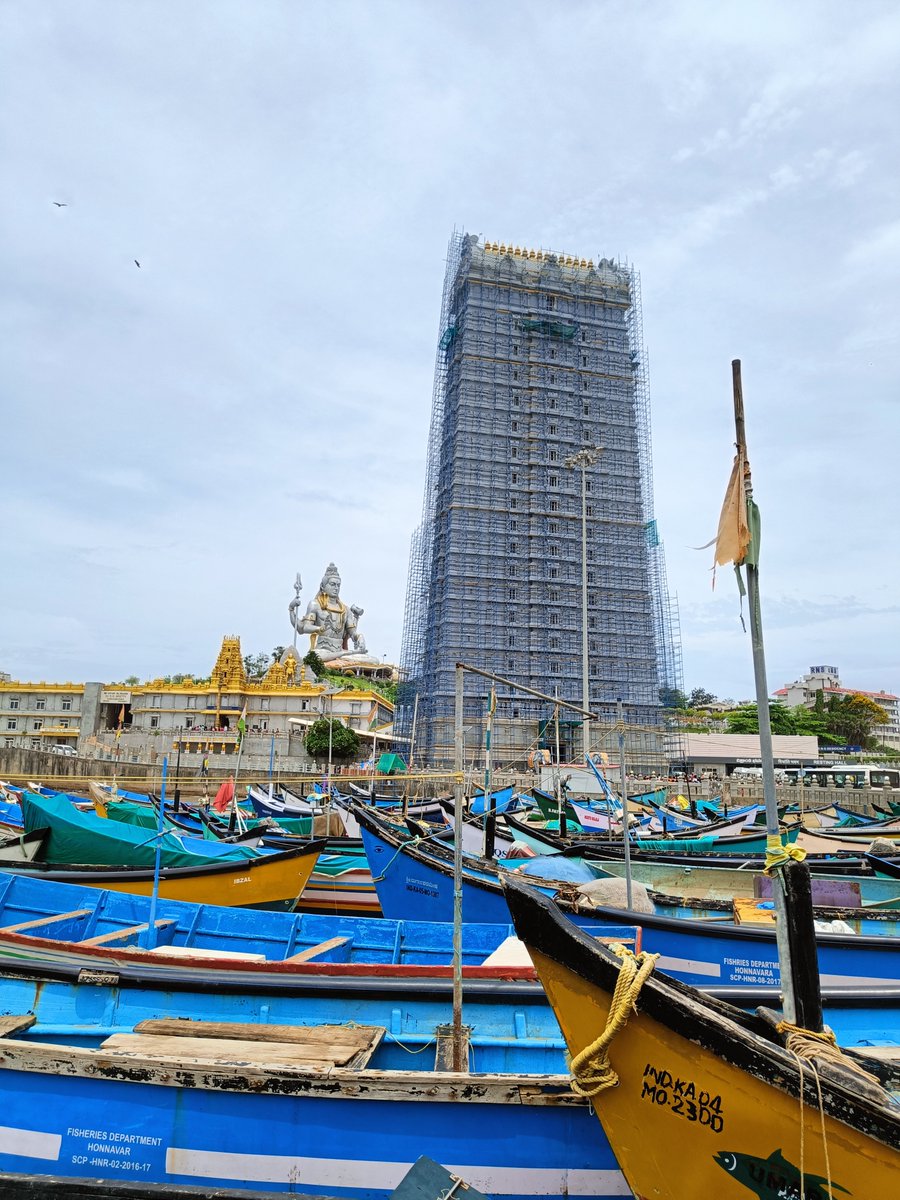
x=224, y=796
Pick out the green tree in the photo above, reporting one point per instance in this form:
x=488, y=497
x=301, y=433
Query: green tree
x=132, y=681
x=746, y=719
x=344, y=741
x=256, y=664
x=670, y=697
x=699, y=698
x=855, y=718
x=315, y=664
x=277, y=653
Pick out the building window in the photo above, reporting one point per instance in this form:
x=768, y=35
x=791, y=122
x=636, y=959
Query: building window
x=512, y=594
x=584, y=384
x=595, y=646
x=66, y=705
x=554, y=618
x=512, y=571
x=553, y=355
x=554, y=572
x=37, y=723
x=12, y=722
x=510, y=664
x=64, y=724
x=552, y=430
x=554, y=506
x=589, y=510
x=515, y=348
x=154, y=722
x=514, y=524
x=513, y=547
x=554, y=667
x=356, y=707
x=514, y=478
x=14, y=702
x=551, y=403
x=515, y=374
x=553, y=526
x=554, y=550
x=583, y=336
x=554, y=643
x=552, y=377
x=554, y=594
x=553, y=481
x=513, y=452
x=514, y=426
x=554, y=455
x=511, y=639
x=591, y=576
x=584, y=360
x=40, y=705
x=35, y=743
x=592, y=622
x=515, y=401
x=588, y=485
x=551, y=301
x=592, y=599
x=10, y=741
x=513, y=502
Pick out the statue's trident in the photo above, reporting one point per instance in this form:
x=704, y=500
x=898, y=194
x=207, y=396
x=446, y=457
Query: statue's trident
x=295, y=604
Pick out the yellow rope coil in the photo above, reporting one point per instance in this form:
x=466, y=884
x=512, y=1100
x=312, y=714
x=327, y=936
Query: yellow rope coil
x=591, y=1070
x=777, y=852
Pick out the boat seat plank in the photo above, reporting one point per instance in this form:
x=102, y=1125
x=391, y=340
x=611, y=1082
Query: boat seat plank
x=347, y=1048
x=510, y=953
x=204, y=952
x=37, y=922
x=314, y=951
x=15, y=1023
x=116, y=935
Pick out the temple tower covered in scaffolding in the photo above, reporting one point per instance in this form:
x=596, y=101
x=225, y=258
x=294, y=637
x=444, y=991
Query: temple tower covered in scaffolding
x=539, y=356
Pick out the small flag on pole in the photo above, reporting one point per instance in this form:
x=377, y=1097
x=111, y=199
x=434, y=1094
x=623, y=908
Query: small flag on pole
x=121, y=722
x=733, y=536
x=242, y=724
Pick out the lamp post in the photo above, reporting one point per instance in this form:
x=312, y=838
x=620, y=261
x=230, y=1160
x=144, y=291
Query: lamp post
x=585, y=458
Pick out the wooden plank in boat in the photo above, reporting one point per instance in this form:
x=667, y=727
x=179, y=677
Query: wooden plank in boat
x=341, y=1036
x=15, y=1023
x=510, y=953
x=203, y=952
x=118, y=934
x=314, y=951
x=317, y=1054
x=37, y=922
x=747, y=911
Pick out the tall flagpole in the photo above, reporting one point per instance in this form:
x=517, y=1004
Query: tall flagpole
x=794, y=929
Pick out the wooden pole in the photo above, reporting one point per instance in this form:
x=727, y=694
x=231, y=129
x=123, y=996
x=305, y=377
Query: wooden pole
x=793, y=917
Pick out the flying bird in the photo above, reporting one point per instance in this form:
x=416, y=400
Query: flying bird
x=59, y=204
x=136, y=263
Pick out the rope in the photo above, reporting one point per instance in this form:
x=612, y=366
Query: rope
x=806, y=1046
x=591, y=1070
x=778, y=853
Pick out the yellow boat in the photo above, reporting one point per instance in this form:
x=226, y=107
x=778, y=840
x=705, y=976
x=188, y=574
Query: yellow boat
x=699, y=1099
x=273, y=881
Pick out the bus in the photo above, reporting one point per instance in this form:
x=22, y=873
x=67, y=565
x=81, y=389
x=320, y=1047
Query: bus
x=841, y=776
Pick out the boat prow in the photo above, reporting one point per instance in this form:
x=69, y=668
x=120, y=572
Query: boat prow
x=702, y=1088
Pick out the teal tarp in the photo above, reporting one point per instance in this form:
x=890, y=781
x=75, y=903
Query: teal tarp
x=83, y=837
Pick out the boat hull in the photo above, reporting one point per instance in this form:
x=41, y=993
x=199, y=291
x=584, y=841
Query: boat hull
x=697, y=1102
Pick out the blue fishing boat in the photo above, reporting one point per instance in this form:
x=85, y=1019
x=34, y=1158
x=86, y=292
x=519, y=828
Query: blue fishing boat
x=414, y=879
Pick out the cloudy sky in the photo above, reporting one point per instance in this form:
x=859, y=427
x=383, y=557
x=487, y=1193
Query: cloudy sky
x=179, y=439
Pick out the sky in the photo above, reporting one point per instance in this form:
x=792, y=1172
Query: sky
x=179, y=439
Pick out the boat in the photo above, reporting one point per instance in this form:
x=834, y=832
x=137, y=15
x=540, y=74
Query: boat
x=705, y=1090
x=414, y=880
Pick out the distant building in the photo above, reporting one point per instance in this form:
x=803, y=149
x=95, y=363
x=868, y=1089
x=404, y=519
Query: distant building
x=827, y=680
x=141, y=723
x=724, y=752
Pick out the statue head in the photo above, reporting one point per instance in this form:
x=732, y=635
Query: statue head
x=331, y=582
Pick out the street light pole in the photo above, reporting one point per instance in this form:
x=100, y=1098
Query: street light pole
x=585, y=458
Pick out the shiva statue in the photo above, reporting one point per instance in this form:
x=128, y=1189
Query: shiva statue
x=333, y=628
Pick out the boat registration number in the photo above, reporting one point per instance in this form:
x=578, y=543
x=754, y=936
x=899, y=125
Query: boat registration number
x=683, y=1097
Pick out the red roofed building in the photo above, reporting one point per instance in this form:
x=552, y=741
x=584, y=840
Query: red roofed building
x=826, y=679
